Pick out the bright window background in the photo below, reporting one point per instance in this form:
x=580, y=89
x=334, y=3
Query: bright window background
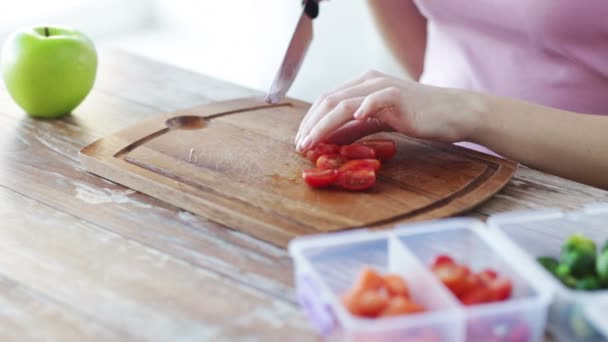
x=241, y=41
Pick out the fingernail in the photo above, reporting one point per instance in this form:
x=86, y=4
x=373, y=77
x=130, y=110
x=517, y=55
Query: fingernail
x=306, y=142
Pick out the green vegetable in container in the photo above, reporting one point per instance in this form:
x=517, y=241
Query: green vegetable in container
x=579, y=253
x=588, y=283
x=602, y=265
x=549, y=263
x=562, y=271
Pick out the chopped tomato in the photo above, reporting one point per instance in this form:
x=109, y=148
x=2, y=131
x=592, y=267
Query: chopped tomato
x=370, y=303
x=357, y=164
x=325, y=148
x=330, y=161
x=385, y=149
x=471, y=283
x=452, y=276
x=477, y=296
x=488, y=275
x=356, y=180
x=357, y=151
x=500, y=289
x=400, y=305
x=442, y=259
x=396, y=286
x=319, y=150
x=318, y=178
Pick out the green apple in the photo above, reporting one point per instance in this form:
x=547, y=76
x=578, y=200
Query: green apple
x=48, y=70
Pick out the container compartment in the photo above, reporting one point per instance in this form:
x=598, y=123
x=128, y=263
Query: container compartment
x=541, y=233
x=520, y=318
x=327, y=266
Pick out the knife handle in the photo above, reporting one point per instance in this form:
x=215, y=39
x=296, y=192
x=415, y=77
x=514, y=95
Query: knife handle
x=311, y=7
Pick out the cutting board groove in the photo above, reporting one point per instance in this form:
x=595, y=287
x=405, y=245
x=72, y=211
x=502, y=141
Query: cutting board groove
x=234, y=162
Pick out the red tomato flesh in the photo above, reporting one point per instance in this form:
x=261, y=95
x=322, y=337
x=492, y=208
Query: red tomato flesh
x=357, y=151
x=356, y=180
x=385, y=148
x=318, y=178
x=358, y=164
x=330, y=161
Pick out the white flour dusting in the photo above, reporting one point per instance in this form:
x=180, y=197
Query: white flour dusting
x=103, y=195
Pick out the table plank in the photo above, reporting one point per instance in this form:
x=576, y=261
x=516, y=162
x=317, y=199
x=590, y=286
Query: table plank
x=129, y=288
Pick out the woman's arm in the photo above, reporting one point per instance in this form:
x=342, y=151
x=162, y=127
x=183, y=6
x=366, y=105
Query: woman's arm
x=404, y=31
x=563, y=143
x=567, y=144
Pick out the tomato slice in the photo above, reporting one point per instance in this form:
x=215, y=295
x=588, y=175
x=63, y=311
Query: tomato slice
x=478, y=296
x=330, y=161
x=488, y=275
x=500, y=289
x=318, y=178
x=442, y=259
x=357, y=151
x=356, y=180
x=400, y=306
x=325, y=148
x=319, y=150
x=357, y=164
x=396, y=286
x=471, y=283
x=452, y=276
x=385, y=148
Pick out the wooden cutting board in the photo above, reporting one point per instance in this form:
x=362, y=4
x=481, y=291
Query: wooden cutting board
x=234, y=162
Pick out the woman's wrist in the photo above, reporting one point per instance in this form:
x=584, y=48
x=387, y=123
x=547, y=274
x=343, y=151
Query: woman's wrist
x=476, y=116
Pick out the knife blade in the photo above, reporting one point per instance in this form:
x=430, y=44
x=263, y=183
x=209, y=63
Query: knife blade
x=298, y=46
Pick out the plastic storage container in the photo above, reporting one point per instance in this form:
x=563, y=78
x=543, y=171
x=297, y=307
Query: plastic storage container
x=327, y=265
x=574, y=315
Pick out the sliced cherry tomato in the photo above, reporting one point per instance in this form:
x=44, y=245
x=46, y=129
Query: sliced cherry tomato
x=400, y=305
x=325, y=148
x=478, y=296
x=312, y=155
x=452, y=276
x=471, y=283
x=368, y=279
x=356, y=180
x=318, y=178
x=367, y=303
x=319, y=150
x=442, y=259
x=357, y=164
x=396, y=286
x=488, y=275
x=357, y=151
x=385, y=148
x=500, y=289
x=330, y=161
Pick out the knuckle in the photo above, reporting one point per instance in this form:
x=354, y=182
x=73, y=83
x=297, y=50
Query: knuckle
x=330, y=101
x=347, y=106
x=371, y=74
x=393, y=91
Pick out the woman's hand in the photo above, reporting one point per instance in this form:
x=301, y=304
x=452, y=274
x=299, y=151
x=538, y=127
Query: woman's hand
x=376, y=102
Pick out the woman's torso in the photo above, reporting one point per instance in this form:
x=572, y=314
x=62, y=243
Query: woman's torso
x=552, y=52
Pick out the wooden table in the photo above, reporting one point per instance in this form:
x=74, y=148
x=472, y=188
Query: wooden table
x=83, y=258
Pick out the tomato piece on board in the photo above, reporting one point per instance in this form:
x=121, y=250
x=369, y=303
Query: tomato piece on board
x=325, y=148
x=385, y=148
x=452, y=276
x=500, y=289
x=357, y=164
x=400, y=305
x=312, y=155
x=357, y=151
x=330, y=161
x=442, y=259
x=318, y=178
x=396, y=285
x=356, y=180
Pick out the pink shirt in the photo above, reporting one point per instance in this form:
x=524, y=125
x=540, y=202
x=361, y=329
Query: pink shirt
x=551, y=52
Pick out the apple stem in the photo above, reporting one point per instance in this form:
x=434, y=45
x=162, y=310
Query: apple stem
x=46, y=31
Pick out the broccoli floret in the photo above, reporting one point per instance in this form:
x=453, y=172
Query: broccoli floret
x=579, y=253
x=588, y=283
x=549, y=263
x=602, y=267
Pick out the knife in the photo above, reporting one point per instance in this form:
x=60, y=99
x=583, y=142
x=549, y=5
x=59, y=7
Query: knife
x=298, y=46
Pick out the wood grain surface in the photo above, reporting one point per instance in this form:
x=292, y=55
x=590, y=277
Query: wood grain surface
x=83, y=258
x=234, y=162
